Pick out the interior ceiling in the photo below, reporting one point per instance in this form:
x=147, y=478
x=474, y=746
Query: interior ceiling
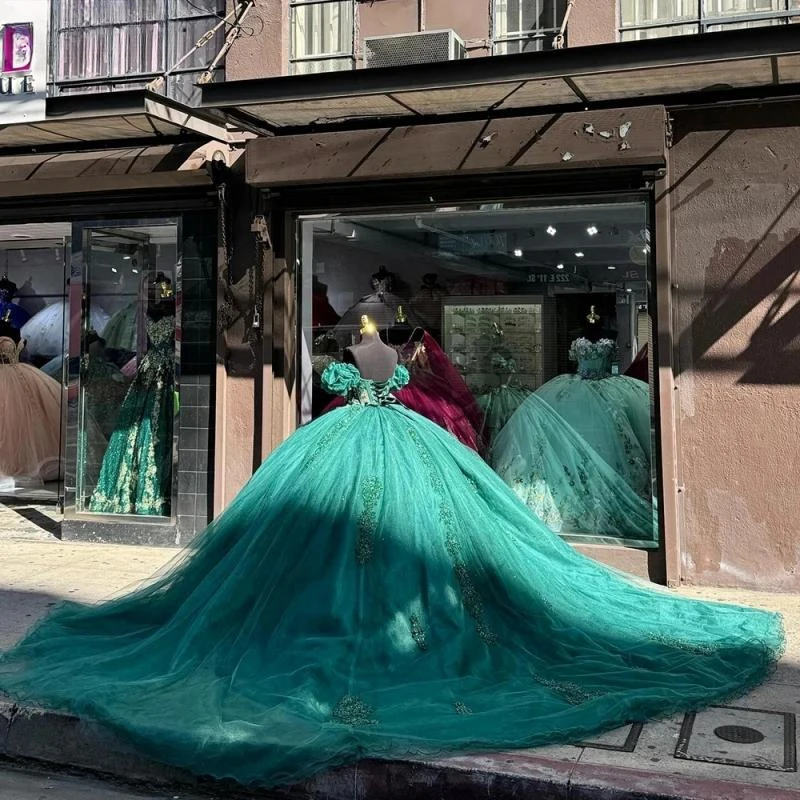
x=607, y=240
x=50, y=233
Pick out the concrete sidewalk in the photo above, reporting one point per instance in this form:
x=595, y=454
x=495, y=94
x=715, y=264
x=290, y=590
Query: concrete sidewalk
x=744, y=752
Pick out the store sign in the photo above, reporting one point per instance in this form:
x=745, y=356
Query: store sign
x=23, y=60
x=549, y=277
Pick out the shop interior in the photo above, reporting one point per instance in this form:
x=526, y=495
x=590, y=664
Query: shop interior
x=527, y=332
x=79, y=303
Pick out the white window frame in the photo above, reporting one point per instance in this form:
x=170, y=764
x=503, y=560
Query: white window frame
x=520, y=35
x=701, y=22
x=345, y=56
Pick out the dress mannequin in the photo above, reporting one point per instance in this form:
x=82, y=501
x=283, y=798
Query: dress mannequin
x=375, y=360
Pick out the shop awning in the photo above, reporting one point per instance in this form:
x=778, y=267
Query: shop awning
x=109, y=119
x=726, y=66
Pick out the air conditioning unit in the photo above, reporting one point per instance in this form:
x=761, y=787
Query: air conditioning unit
x=413, y=48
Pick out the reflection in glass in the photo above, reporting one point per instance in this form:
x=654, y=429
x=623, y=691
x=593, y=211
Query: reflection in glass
x=526, y=332
x=127, y=372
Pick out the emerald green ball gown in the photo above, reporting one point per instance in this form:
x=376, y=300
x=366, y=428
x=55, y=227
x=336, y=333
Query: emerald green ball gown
x=375, y=590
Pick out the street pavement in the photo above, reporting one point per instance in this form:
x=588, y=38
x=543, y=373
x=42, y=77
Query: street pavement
x=26, y=784
x=744, y=751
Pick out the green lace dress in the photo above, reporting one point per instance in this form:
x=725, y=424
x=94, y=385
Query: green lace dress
x=376, y=590
x=137, y=465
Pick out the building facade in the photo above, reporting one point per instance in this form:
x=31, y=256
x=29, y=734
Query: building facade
x=505, y=189
x=705, y=194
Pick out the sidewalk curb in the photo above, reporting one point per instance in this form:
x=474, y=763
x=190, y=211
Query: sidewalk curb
x=66, y=741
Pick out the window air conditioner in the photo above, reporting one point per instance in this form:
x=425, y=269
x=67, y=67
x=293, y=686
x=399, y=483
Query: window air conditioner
x=413, y=48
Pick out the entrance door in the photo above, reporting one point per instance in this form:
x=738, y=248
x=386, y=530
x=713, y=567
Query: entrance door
x=123, y=338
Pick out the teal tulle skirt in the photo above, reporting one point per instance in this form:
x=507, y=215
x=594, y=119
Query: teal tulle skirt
x=561, y=478
x=612, y=416
x=377, y=591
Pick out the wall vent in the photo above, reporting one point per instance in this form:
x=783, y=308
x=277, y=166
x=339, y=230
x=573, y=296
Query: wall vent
x=424, y=47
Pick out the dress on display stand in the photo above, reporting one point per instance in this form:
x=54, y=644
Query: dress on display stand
x=377, y=591
x=611, y=413
x=500, y=403
x=137, y=466
x=10, y=312
x=30, y=417
x=437, y=391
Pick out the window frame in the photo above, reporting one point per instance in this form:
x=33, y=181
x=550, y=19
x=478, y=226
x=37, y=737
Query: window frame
x=56, y=84
x=703, y=23
x=534, y=34
x=317, y=58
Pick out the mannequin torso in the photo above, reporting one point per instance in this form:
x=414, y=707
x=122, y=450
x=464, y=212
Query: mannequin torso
x=375, y=360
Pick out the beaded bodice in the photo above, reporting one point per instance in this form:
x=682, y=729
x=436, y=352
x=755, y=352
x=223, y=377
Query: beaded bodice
x=161, y=332
x=593, y=358
x=346, y=381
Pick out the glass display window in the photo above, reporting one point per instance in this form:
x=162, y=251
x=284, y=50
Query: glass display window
x=526, y=330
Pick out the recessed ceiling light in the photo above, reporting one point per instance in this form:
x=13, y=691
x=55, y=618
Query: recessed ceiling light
x=559, y=266
x=611, y=267
x=126, y=258
x=113, y=269
x=579, y=254
x=551, y=230
x=592, y=230
x=134, y=271
x=518, y=253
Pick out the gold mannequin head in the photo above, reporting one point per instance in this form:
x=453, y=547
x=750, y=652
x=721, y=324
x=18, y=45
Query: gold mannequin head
x=367, y=326
x=592, y=316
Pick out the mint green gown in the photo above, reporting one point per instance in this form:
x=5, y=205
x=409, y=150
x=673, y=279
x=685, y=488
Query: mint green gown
x=375, y=590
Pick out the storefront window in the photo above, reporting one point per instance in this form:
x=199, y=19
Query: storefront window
x=32, y=319
x=127, y=392
x=527, y=333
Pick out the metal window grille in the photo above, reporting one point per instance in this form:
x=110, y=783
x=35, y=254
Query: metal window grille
x=519, y=26
x=647, y=19
x=99, y=45
x=322, y=35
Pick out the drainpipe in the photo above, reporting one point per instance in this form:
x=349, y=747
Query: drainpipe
x=559, y=40
x=421, y=15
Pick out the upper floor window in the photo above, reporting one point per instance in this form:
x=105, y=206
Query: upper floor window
x=648, y=19
x=524, y=25
x=98, y=45
x=322, y=35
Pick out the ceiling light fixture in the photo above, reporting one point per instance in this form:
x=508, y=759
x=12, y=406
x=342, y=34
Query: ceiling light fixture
x=559, y=266
x=134, y=270
x=113, y=269
x=551, y=230
x=126, y=258
x=518, y=253
x=611, y=267
x=579, y=254
x=592, y=230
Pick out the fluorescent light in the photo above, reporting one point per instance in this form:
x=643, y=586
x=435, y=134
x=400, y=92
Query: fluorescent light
x=126, y=258
x=579, y=254
x=592, y=230
x=559, y=266
x=518, y=253
x=551, y=230
x=611, y=267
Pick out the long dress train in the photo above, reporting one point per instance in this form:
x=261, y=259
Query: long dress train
x=376, y=590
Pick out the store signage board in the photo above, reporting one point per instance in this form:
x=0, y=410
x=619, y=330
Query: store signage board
x=23, y=60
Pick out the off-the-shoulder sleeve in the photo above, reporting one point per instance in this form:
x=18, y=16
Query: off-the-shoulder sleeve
x=339, y=378
x=400, y=377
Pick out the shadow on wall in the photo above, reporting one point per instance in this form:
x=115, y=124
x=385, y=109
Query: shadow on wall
x=745, y=276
